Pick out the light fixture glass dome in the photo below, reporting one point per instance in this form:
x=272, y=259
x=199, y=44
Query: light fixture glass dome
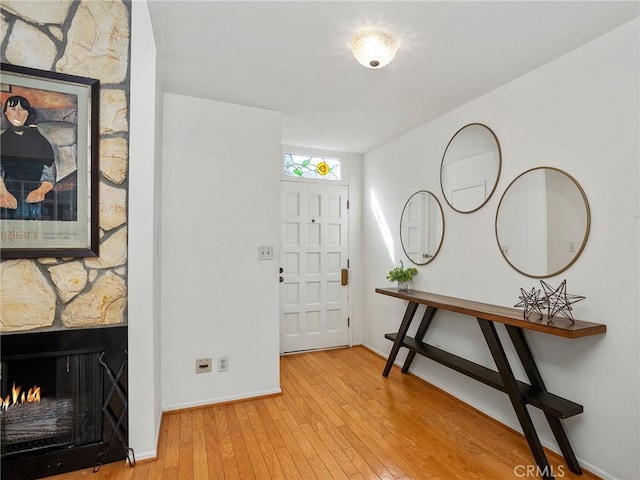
x=373, y=47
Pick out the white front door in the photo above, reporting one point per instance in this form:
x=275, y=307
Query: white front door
x=314, y=249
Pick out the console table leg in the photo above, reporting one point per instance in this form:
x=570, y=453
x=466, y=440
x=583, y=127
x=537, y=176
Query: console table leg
x=517, y=401
x=422, y=329
x=526, y=358
x=563, y=443
x=402, y=332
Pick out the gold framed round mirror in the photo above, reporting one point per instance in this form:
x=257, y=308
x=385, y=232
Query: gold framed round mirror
x=470, y=167
x=422, y=227
x=542, y=222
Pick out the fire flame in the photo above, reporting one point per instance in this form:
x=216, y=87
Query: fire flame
x=18, y=396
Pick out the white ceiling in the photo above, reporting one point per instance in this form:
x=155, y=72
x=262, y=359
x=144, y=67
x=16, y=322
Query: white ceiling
x=293, y=57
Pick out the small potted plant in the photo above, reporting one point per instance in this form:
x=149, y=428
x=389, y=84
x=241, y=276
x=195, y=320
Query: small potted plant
x=402, y=275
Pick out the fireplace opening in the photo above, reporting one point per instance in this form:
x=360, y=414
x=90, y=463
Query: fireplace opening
x=81, y=419
x=50, y=401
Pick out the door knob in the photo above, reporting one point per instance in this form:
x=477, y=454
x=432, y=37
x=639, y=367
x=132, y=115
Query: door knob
x=281, y=279
x=344, y=277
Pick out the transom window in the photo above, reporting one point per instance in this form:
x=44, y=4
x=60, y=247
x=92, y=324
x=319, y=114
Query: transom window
x=309, y=166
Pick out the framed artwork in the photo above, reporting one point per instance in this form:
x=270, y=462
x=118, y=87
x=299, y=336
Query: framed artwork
x=48, y=164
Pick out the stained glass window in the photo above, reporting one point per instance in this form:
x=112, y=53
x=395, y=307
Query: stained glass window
x=308, y=166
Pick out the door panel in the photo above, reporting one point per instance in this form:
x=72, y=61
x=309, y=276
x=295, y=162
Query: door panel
x=314, y=250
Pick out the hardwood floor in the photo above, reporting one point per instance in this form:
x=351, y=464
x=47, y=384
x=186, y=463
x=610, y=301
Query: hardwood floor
x=337, y=418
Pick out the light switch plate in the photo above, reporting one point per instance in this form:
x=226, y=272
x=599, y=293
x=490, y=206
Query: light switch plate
x=265, y=253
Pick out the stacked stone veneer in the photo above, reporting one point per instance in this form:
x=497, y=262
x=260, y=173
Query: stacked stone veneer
x=90, y=39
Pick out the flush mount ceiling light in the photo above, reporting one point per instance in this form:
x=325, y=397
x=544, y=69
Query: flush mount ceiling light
x=373, y=47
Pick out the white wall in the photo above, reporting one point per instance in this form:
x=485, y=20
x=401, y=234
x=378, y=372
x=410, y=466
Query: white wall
x=144, y=274
x=220, y=201
x=356, y=280
x=580, y=114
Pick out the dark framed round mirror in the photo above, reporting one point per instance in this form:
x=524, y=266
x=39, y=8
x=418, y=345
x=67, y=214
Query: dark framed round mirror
x=470, y=167
x=422, y=227
x=542, y=222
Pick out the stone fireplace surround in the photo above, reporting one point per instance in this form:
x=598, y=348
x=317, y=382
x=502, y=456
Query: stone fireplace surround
x=85, y=298
x=112, y=341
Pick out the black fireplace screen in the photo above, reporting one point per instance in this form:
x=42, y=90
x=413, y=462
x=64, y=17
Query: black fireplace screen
x=50, y=402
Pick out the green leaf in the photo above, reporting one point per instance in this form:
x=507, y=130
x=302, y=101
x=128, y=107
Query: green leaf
x=400, y=274
x=298, y=172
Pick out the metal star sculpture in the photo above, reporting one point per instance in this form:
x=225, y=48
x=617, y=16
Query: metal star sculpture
x=559, y=301
x=531, y=302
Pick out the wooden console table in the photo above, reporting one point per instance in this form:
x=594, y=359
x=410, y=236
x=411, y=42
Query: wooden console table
x=520, y=393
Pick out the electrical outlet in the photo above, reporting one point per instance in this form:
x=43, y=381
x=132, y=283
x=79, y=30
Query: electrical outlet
x=203, y=365
x=265, y=253
x=223, y=364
